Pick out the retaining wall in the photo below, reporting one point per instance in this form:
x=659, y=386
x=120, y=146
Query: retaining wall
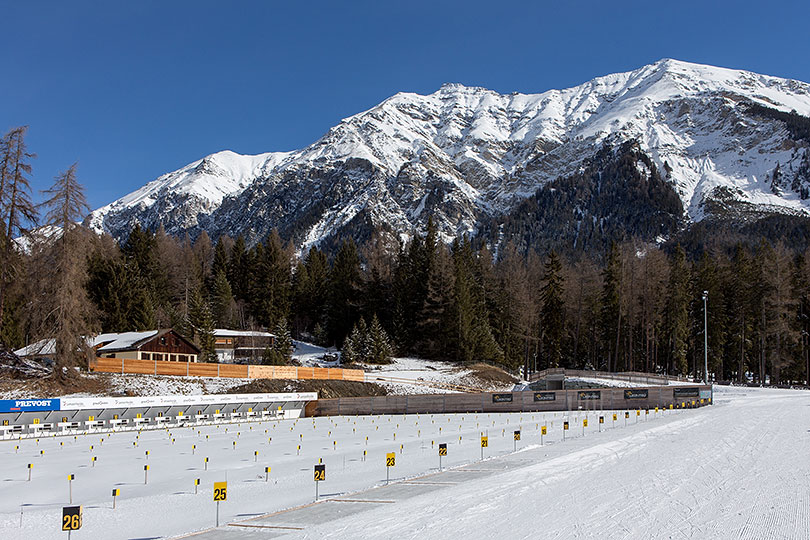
x=551, y=400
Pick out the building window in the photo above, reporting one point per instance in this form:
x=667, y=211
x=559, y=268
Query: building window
x=173, y=358
x=158, y=356
x=146, y=356
x=163, y=340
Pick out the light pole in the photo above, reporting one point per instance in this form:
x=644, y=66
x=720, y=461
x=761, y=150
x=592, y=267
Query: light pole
x=705, y=339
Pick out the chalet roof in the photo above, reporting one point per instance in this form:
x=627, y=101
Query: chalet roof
x=224, y=332
x=126, y=340
x=105, y=343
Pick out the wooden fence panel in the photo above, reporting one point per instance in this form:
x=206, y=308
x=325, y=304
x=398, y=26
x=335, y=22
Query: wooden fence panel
x=233, y=371
x=203, y=369
x=306, y=373
x=146, y=367
x=261, y=372
x=320, y=373
x=107, y=365
x=285, y=372
x=357, y=375
x=171, y=368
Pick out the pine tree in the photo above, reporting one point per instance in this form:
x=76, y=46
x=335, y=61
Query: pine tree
x=239, y=269
x=436, y=318
x=310, y=293
x=552, y=311
x=473, y=335
x=202, y=324
x=379, y=344
x=271, y=282
x=281, y=352
x=345, y=289
x=223, y=305
x=348, y=354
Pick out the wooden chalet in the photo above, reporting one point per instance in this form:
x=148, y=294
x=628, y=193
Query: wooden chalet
x=164, y=345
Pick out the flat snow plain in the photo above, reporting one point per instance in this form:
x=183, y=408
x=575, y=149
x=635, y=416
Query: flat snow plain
x=737, y=469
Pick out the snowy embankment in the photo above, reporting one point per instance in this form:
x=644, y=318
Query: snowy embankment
x=419, y=376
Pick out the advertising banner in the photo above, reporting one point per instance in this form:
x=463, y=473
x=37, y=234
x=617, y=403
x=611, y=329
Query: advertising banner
x=28, y=405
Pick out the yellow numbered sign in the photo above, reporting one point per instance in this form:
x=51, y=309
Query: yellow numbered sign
x=614, y=417
x=220, y=491
x=484, y=442
x=517, y=435
x=638, y=412
x=543, y=430
x=565, y=426
x=71, y=518
x=627, y=414
x=390, y=459
x=36, y=420
x=584, y=422
x=320, y=473
x=601, y=419
x=443, y=449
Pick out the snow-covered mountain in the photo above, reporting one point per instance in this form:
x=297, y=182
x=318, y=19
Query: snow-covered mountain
x=464, y=155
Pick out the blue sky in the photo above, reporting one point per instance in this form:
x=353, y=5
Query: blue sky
x=132, y=90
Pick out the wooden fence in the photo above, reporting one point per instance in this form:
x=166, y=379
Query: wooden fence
x=193, y=369
x=551, y=400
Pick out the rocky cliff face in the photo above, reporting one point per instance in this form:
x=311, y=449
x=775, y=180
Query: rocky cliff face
x=723, y=140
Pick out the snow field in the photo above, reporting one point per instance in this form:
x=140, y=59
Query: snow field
x=736, y=470
x=167, y=505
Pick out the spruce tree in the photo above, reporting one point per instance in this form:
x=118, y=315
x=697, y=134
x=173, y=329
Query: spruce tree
x=345, y=289
x=202, y=324
x=435, y=321
x=473, y=335
x=223, y=305
x=271, y=282
x=310, y=293
x=281, y=352
x=239, y=269
x=379, y=344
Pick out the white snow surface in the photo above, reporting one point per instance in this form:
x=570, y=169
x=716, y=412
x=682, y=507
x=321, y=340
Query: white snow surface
x=738, y=469
x=485, y=151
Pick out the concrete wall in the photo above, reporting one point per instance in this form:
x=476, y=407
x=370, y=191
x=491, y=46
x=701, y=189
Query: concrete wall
x=563, y=400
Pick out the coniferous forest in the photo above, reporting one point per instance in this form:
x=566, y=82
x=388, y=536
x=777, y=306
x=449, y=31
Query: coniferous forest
x=627, y=306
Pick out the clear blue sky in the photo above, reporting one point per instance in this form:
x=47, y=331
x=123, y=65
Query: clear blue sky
x=132, y=90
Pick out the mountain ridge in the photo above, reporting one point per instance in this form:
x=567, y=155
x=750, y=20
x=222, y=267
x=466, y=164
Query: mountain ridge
x=467, y=154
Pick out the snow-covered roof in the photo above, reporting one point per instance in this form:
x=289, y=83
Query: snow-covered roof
x=224, y=332
x=111, y=341
x=125, y=340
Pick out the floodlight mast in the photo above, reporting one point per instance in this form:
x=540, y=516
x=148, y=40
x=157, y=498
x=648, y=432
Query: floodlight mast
x=705, y=339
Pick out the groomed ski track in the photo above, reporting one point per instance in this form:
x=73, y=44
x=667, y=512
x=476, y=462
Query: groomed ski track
x=740, y=469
